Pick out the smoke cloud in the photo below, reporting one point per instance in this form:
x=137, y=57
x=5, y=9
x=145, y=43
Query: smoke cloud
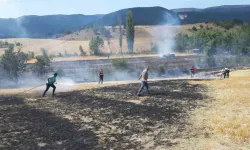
x=165, y=32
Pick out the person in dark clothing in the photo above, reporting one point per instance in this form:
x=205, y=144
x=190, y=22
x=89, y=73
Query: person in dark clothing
x=192, y=70
x=101, y=75
x=144, y=80
x=226, y=73
x=50, y=83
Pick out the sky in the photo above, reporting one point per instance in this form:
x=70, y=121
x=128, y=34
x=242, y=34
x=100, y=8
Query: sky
x=17, y=8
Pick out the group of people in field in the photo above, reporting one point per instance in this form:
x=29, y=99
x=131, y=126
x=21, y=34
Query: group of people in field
x=224, y=73
x=143, y=78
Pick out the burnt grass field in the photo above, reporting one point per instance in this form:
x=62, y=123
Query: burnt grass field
x=103, y=118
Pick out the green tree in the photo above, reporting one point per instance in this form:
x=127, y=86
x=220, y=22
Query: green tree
x=95, y=44
x=181, y=42
x=82, y=53
x=120, y=33
x=18, y=44
x=31, y=55
x=66, y=32
x=130, y=28
x=194, y=29
x=240, y=41
x=42, y=65
x=120, y=63
x=14, y=63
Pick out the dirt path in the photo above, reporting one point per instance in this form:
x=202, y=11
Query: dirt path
x=103, y=118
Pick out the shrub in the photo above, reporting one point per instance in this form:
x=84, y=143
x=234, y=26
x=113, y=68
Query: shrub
x=82, y=53
x=161, y=69
x=120, y=63
x=42, y=66
x=194, y=29
x=14, y=63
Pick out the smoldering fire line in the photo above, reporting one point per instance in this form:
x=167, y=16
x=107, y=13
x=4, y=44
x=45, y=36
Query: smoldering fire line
x=86, y=70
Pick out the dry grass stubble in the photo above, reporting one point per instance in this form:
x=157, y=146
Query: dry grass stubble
x=223, y=123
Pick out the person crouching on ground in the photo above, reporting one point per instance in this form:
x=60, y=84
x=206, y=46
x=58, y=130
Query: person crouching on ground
x=101, y=75
x=50, y=83
x=144, y=80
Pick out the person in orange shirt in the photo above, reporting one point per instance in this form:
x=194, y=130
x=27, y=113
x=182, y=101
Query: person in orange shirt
x=101, y=75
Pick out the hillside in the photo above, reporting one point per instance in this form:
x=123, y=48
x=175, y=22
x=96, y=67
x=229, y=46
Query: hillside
x=54, y=25
x=211, y=14
x=223, y=8
x=43, y=26
x=154, y=16
x=144, y=36
x=57, y=25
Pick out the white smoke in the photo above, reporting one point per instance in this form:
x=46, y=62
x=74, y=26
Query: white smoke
x=165, y=32
x=20, y=29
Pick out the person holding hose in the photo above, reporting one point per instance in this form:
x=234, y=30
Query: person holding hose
x=144, y=80
x=50, y=83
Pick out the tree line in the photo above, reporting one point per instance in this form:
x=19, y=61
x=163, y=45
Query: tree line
x=213, y=41
x=14, y=62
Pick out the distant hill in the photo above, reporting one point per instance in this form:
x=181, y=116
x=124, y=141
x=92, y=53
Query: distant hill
x=229, y=8
x=223, y=8
x=56, y=25
x=141, y=16
x=186, y=10
x=226, y=12
x=43, y=26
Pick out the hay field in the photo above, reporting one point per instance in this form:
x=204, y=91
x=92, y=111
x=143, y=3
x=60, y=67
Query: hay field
x=144, y=35
x=224, y=122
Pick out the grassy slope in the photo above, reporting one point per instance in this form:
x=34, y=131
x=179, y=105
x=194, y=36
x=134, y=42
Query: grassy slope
x=143, y=37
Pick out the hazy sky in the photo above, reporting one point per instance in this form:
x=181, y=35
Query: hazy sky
x=16, y=8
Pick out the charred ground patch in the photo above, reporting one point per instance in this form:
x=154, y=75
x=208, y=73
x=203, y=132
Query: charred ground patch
x=23, y=126
x=112, y=117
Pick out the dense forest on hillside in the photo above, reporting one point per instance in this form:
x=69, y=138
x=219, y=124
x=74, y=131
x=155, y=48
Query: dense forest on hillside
x=197, y=17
